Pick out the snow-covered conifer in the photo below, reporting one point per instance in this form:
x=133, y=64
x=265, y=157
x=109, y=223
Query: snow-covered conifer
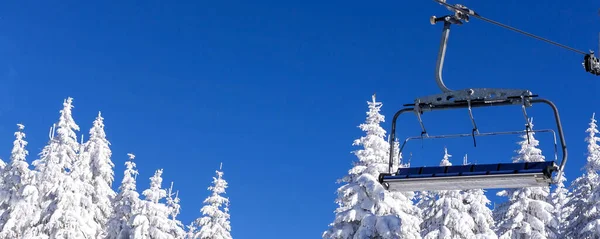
x=176, y=227
x=21, y=193
x=585, y=208
x=528, y=212
x=449, y=216
x=191, y=232
x=559, y=198
x=152, y=220
x=214, y=222
x=365, y=208
x=81, y=176
x=125, y=204
x=97, y=149
x=61, y=198
x=579, y=202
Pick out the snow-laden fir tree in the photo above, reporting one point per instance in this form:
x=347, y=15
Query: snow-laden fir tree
x=482, y=215
x=175, y=226
x=61, y=199
x=22, y=195
x=98, y=152
x=585, y=215
x=559, y=198
x=214, y=222
x=449, y=217
x=579, y=204
x=528, y=212
x=125, y=204
x=365, y=208
x=152, y=220
x=82, y=180
x=191, y=232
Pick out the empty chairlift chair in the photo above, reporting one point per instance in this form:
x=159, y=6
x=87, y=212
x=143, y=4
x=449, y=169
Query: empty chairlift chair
x=477, y=176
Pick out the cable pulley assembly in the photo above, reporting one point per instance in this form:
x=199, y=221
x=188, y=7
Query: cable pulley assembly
x=590, y=63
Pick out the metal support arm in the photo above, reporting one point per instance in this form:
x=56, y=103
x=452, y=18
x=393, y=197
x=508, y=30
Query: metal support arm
x=441, y=56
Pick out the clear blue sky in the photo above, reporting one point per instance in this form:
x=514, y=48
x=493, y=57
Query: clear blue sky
x=276, y=89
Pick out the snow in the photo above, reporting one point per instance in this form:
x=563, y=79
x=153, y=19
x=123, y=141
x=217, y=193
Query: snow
x=125, y=204
x=529, y=212
x=20, y=195
x=448, y=216
x=365, y=208
x=100, y=168
x=215, y=220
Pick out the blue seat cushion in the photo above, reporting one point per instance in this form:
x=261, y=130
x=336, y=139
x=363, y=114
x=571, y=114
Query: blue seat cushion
x=446, y=174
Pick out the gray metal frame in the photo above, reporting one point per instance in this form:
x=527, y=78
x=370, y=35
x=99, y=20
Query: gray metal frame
x=470, y=98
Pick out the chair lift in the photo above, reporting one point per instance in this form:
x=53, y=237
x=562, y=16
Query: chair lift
x=477, y=176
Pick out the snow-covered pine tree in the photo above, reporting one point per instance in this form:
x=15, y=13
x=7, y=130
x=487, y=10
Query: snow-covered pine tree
x=176, y=227
x=99, y=153
x=449, y=216
x=81, y=175
x=125, y=204
x=559, y=198
x=22, y=195
x=528, y=212
x=585, y=215
x=365, y=208
x=152, y=220
x=482, y=216
x=191, y=232
x=61, y=199
x=579, y=202
x=214, y=222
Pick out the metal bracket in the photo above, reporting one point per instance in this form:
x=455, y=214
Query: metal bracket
x=591, y=64
x=486, y=95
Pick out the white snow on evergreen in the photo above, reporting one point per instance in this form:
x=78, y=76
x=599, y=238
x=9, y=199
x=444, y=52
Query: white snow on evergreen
x=559, y=198
x=101, y=171
x=214, y=222
x=22, y=195
x=61, y=199
x=528, y=212
x=482, y=215
x=578, y=206
x=449, y=216
x=175, y=226
x=407, y=211
x=585, y=215
x=125, y=204
x=152, y=220
x=191, y=232
x=365, y=208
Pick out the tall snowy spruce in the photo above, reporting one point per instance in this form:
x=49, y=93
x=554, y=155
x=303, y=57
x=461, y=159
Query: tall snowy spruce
x=125, y=204
x=22, y=195
x=528, y=212
x=176, y=228
x=214, y=222
x=62, y=203
x=559, y=198
x=365, y=208
x=583, y=202
x=449, y=216
x=97, y=149
x=152, y=220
